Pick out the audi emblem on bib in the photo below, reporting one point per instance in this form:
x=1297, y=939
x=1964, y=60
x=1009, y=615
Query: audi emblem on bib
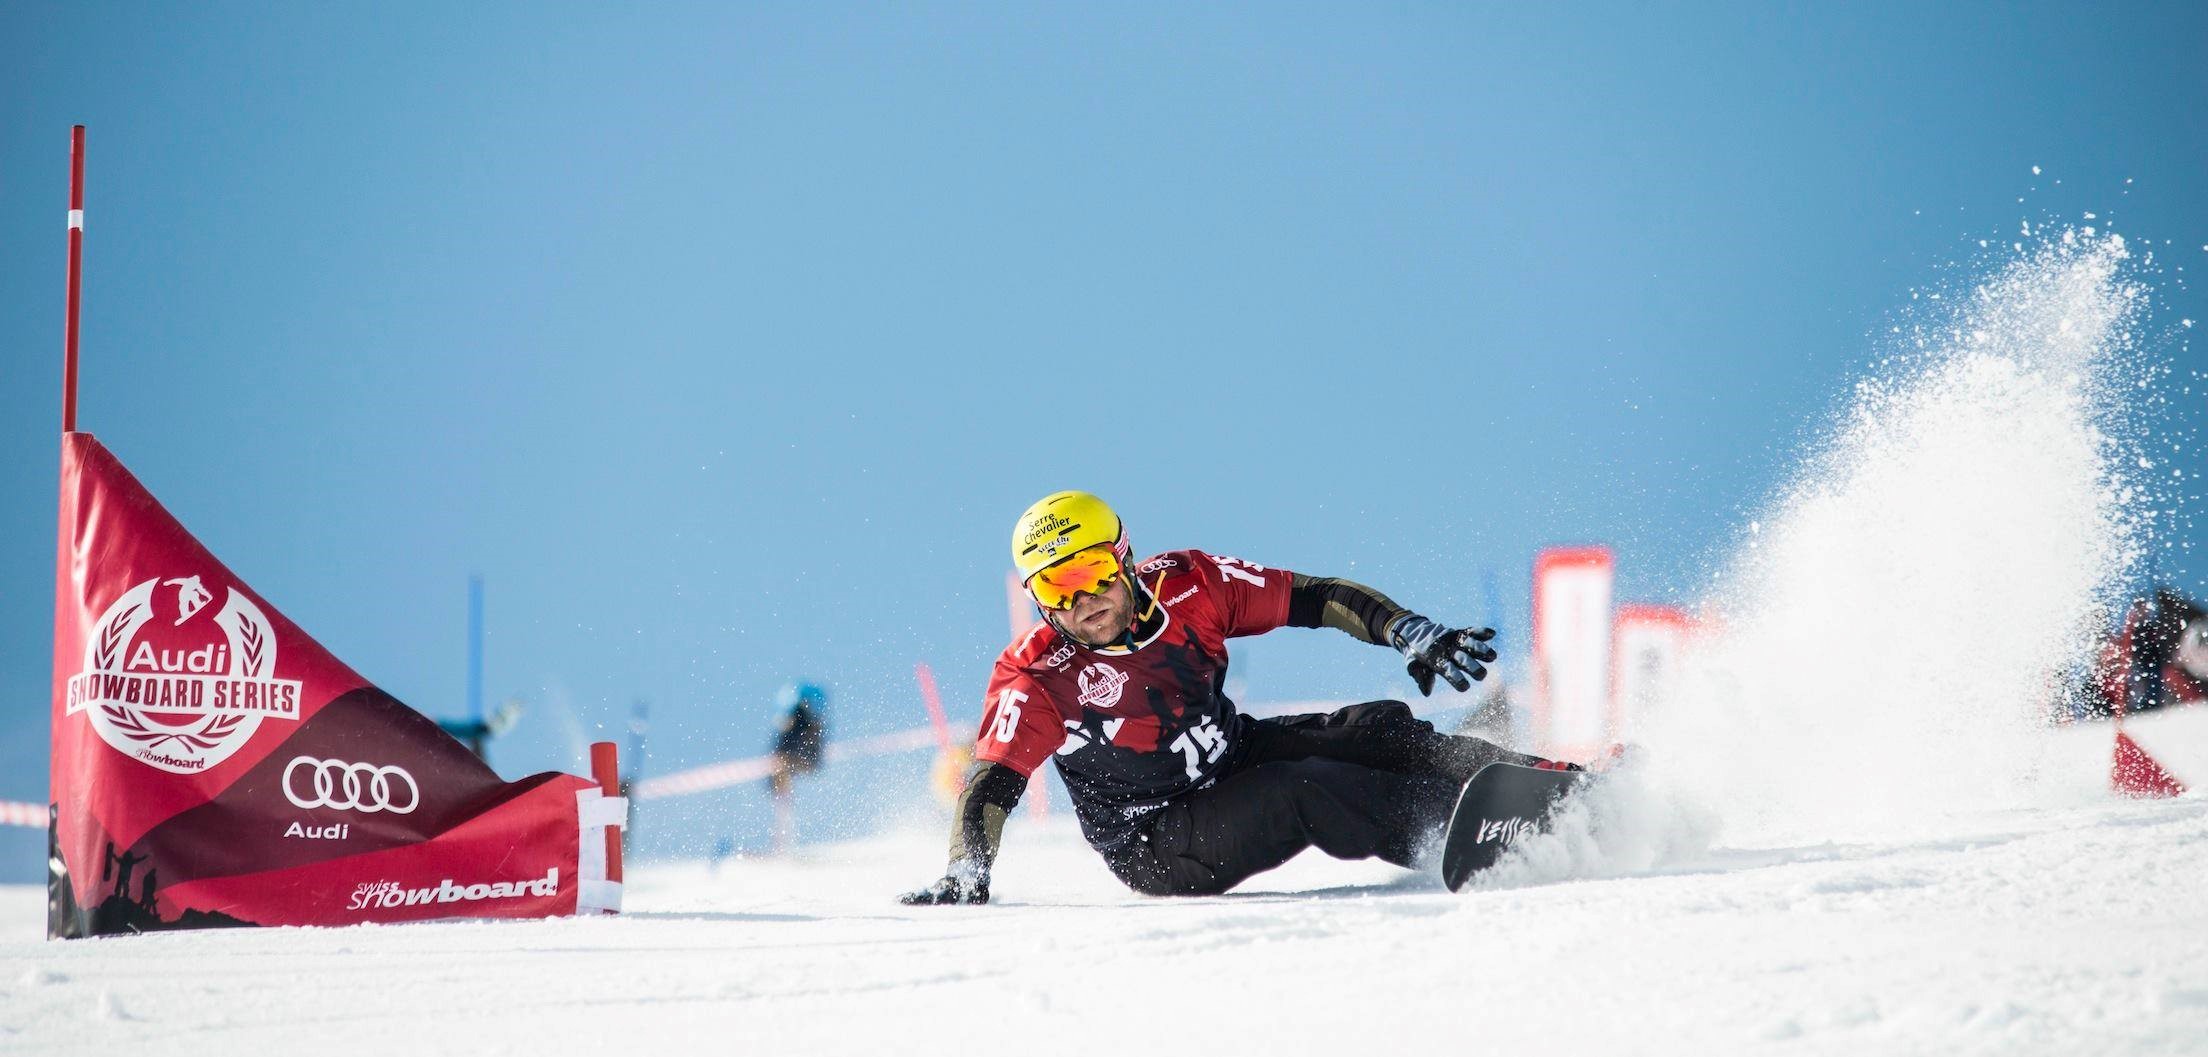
x=363, y=787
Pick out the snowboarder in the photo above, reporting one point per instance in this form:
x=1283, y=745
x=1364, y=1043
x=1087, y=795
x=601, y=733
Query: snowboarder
x=1178, y=791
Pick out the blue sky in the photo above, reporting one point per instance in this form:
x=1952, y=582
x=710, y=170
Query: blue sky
x=725, y=340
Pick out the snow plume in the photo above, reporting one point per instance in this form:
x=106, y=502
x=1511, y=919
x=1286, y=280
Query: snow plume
x=1885, y=648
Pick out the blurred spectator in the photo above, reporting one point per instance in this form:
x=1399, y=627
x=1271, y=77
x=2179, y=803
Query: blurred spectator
x=2158, y=658
x=476, y=734
x=799, y=745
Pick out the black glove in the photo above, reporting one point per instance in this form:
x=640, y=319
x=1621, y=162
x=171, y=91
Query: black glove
x=1452, y=653
x=957, y=886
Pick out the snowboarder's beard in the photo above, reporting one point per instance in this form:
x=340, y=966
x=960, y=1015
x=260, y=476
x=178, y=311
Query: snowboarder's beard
x=1099, y=619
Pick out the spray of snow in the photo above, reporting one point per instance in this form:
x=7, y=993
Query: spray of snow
x=1881, y=655
x=1886, y=648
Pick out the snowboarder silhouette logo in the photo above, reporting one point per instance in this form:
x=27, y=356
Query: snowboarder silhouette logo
x=190, y=597
x=121, y=866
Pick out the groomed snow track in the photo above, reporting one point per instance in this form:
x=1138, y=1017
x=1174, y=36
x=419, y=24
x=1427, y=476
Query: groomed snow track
x=2054, y=931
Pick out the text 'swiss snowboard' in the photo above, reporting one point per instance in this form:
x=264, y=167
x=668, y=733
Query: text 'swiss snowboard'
x=1498, y=806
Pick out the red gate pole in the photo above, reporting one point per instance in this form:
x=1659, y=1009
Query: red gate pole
x=605, y=766
x=76, y=270
x=936, y=719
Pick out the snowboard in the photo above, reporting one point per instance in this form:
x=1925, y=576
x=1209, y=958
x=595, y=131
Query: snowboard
x=1501, y=804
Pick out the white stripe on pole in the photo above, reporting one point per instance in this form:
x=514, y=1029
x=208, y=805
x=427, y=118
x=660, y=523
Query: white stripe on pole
x=17, y=813
x=76, y=220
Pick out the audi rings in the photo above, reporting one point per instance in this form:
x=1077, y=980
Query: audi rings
x=362, y=787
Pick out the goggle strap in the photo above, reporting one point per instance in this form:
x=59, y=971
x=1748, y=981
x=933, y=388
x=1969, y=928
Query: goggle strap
x=1152, y=590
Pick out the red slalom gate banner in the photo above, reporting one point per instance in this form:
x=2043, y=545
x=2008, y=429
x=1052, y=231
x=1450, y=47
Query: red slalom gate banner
x=213, y=765
x=1573, y=714
x=1649, y=650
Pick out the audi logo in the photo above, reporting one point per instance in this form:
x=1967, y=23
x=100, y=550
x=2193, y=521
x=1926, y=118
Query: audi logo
x=362, y=787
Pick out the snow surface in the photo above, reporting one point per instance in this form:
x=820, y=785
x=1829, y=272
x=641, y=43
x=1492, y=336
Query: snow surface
x=2035, y=932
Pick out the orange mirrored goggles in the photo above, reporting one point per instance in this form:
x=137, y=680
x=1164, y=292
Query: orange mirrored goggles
x=1091, y=569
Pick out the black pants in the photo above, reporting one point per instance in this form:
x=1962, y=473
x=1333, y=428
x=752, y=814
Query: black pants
x=1368, y=780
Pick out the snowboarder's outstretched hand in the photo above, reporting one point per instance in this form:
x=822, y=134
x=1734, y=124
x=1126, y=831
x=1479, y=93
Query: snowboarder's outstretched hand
x=1455, y=654
x=958, y=886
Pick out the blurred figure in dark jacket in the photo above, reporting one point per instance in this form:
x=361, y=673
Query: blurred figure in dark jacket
x=800, y=743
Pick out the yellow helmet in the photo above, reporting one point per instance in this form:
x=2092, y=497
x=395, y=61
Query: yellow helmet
x=1060, y=524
